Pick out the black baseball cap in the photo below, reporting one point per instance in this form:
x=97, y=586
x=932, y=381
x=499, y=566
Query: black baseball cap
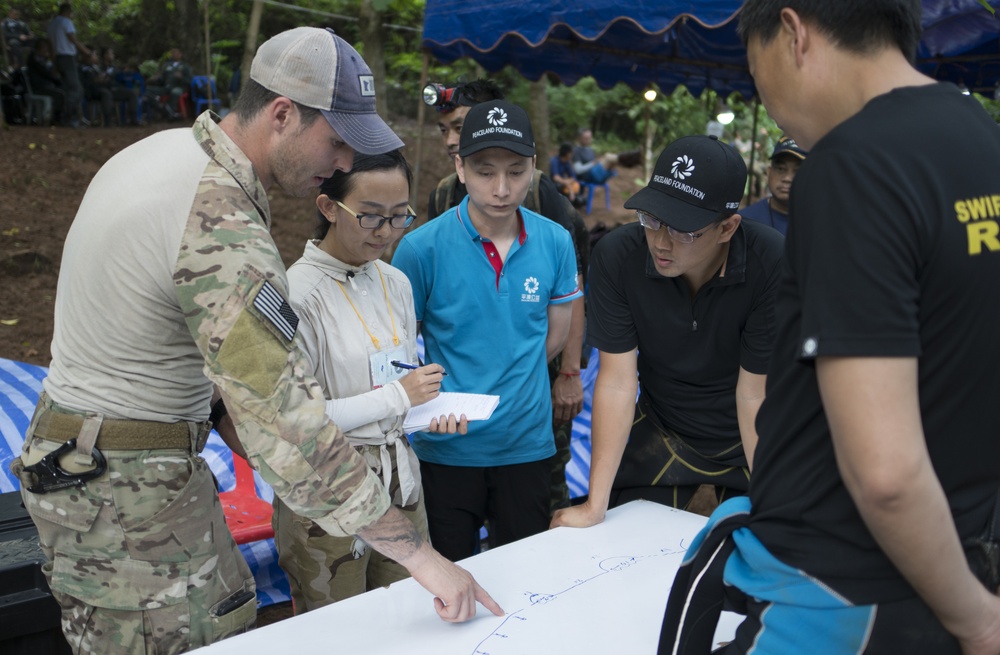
x=787, y=146
x=496, y=124
x=696, y=180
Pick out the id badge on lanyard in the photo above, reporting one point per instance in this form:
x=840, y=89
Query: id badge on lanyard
x=381, y=370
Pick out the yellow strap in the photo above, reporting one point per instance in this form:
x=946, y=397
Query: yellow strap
x=375, y=341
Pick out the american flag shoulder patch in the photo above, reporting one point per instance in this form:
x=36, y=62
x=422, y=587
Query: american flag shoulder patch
x=273, y=308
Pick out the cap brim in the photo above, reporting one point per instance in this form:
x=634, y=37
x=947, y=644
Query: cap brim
x=791, y=153
x=515, y=147
x=365, y=133
x=671, y=211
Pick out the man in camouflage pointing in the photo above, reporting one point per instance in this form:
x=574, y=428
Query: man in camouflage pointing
x=170, y=284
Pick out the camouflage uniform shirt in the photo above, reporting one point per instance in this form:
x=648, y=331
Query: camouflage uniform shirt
x=170, y=281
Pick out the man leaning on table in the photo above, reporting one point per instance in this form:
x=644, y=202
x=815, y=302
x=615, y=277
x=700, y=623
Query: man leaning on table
x=683, y=299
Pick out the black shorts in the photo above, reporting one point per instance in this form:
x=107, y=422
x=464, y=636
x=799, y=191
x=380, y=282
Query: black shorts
x=459, y=499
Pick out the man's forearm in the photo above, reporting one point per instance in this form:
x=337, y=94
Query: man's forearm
x=611, y=421
x=750, y=391
x=916, y=530
x=874, y=414
x=572, y=351
x=394, y=536
x=560, y=317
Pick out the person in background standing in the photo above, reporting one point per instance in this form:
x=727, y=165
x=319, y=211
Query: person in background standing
x=65, y=45
x=773, y=210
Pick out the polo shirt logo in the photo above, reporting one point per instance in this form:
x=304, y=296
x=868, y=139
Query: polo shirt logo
x=531, y=289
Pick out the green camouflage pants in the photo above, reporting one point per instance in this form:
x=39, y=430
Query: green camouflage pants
x=322, y=568
x=140, y=559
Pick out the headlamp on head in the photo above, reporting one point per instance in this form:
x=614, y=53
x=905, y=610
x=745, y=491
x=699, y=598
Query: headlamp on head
x=441, y=97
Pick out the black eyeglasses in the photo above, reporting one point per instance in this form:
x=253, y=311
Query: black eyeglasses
x=650, y=222
x=375, y=221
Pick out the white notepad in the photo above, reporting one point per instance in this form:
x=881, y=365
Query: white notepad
x=475, y=406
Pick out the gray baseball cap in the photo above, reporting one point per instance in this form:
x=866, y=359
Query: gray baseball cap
x=316, y=68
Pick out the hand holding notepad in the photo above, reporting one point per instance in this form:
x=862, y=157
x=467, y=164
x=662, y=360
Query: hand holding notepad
x=475, y=406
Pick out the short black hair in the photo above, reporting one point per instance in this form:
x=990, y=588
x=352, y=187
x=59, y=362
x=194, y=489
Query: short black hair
x=859, y=26
x=341, y=184
x=254, y=97
x=565, y=149
x=470, y=94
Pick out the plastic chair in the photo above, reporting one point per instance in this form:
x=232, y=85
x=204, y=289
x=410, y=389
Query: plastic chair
x=248, y=517
x=590, y=194
x=130, y=81
x=201, y=86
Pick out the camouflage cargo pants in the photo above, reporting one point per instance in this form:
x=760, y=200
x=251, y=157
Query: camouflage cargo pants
x=140, y=559
x=323, y=569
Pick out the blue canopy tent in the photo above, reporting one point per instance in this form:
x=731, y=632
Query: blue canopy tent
x=669, y=42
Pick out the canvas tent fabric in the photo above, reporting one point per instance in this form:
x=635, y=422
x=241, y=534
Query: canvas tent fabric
x=670, y=43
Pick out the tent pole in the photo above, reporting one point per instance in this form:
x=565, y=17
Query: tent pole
x=208, y=56
x=753, y=149
x=421, y=113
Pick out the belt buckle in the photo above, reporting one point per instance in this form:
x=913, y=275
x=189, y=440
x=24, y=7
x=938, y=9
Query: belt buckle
x=51, y=476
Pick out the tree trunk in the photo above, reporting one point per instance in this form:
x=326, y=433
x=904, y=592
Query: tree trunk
x=539, y=114
x=250, y=47
x=374, y=52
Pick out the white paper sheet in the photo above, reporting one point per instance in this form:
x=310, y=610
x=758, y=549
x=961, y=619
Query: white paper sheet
x=475, y=406
x=597, y=590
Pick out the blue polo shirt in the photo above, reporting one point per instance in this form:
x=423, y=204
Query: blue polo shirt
x=488, y=331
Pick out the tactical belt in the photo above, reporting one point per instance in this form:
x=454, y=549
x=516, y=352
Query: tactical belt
x=118, y=434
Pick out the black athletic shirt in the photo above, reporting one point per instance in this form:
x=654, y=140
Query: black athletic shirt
x=892, y=250
x=690, y=349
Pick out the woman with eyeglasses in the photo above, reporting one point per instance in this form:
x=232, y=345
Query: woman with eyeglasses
x=356, y=317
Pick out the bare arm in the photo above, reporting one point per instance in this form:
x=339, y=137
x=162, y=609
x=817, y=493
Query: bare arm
x=567, y=391
x=560, y=317
x=873, y=408
x=614, y=407
x=749, y=396
x=455, y=590
x=79, y=44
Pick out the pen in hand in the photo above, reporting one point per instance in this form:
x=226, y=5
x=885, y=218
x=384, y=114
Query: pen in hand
x=409, y=367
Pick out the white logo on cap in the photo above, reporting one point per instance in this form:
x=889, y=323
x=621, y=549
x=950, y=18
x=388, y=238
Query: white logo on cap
x=367, y=85
x=683, y=167
x=496, y=116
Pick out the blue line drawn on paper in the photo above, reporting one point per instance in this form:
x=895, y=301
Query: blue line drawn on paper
x=606, y=566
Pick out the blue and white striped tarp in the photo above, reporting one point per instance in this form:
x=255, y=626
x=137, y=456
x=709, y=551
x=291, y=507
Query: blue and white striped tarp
x=20, y=385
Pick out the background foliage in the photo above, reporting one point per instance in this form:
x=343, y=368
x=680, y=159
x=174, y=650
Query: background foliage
x=146, y=30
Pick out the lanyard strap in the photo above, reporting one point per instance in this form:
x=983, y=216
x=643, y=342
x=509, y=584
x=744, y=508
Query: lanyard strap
x=388, y=304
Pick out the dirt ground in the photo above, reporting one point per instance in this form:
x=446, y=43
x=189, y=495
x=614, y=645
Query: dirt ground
x=44, y=173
